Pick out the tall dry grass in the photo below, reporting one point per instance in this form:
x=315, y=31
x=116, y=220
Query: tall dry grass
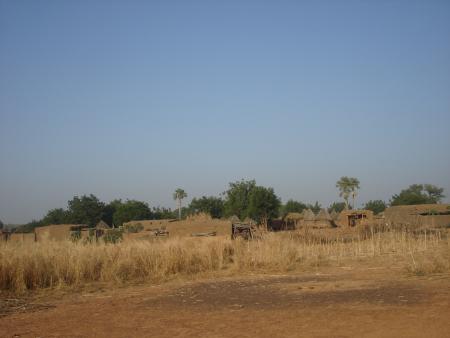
x=52, y=264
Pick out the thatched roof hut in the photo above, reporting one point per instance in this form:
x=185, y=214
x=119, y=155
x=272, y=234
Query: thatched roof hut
x=249, y=221
x=293, y=216
x=334, y=215
x=323, y=215
x=102, y=225
x=308, y=215
x=234, y=219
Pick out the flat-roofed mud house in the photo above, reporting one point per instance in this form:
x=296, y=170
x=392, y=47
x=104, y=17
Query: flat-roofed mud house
x=351, y=218
x=421, y=215
x=55, y=232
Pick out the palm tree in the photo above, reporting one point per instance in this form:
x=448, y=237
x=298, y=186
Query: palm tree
x=348, y=186
x=178, y=195
x=354, y=186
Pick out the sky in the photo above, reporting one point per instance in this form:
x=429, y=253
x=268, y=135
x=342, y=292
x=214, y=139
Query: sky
x=133, y=99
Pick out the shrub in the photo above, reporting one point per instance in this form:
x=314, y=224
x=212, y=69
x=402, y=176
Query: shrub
x=75, y=235
x=134, y=228
x=113, y=236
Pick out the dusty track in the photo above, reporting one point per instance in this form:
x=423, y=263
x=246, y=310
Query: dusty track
x=333, y=302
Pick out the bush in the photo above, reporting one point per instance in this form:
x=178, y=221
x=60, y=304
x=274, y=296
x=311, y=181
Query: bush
x=75, y=235
x=113, y=236
x=134, y=228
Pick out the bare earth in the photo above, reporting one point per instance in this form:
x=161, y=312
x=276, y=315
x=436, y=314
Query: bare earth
x=351, y=301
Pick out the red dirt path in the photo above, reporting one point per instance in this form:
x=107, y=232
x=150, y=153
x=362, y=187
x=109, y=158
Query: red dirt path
x=335, y=302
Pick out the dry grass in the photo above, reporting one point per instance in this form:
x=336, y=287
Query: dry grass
x=53, y=264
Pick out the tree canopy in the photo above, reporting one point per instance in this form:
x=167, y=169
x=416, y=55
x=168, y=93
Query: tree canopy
x=211, y=205
x=131, y=210
x=237, y=198
x=263, y=204
x=293, y=206
x=178, y=195
x=376, y=206
x=246, y=199
x=337, y=207
x=418, y=194
x=348, y=186
x=85, y=210
x=56, y=216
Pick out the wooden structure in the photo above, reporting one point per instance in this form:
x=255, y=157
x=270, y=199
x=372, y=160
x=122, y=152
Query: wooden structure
x=241, y=230
x=4, y=235
x=204, y=234
x=293, y=220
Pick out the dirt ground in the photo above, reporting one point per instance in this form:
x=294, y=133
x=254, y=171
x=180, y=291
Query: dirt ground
x=349, y=301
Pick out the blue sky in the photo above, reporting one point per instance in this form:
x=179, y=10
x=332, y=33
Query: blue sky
x=132, y=99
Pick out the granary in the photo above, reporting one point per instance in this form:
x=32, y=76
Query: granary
x=308, y=215
x=334, y=215
x=4, y=235
x=323, y=219
x=101, y=228
x=353, y=218
x=293, y=220
x=279, y=225
x=426, y=215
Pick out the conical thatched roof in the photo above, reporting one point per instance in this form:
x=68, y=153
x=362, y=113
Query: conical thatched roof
x=102, y=225
x=323, y=215
x=250, y=221
x=334, y=215
x=308, y=215
x=234, y=219
x=294, y=216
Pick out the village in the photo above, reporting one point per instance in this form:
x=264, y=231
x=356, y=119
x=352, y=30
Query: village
x=411, y=217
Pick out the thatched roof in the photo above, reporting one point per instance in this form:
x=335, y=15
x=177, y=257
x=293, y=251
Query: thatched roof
x=323, y=215
x=294, y=216
x=334, y=215
x=235, y=219
x=250, y=221
x=308, y=215
x=102, y=225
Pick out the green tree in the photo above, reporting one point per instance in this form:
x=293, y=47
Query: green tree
x=29, y=227
x=418, y=194
x=337, y=207
x=1, y=225
x=376, y=206
x=163, y=213
x=109, y=210
x=211, y=205
x=293, y=206
x=56, y=216
x=435, y=194
x=131, y=210
x=348, y=186
x=85, y=210
x=178, y=196
x=237, y=198
x=263, y=204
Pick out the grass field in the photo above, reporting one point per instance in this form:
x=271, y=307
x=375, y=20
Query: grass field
x=66, y=264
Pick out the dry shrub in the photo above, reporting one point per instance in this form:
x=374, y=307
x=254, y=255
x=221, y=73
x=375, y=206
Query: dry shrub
x=51, y=264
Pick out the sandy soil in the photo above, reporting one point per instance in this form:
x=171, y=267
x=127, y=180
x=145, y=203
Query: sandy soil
x=350, y=301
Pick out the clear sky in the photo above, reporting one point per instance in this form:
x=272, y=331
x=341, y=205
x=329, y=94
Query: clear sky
x=132, y=99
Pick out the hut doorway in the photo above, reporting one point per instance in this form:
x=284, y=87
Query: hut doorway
x=356, y=219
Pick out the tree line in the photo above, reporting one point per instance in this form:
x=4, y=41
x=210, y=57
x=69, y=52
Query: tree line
x=244, y=199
